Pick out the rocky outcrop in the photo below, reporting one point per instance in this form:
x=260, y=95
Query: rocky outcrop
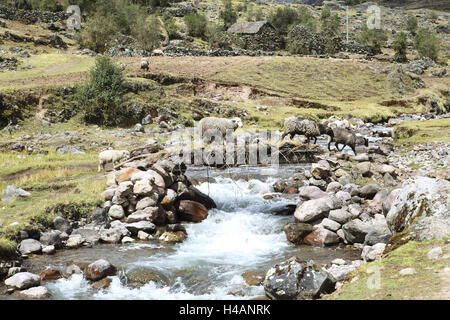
x=421, y=210
x=32, y=16
x=297, y=280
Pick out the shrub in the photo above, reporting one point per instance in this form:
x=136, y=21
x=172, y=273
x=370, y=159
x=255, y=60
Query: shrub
x=73, y=211
x=427, y=44
x=374, y=38
x=170, y=26
x=45, y=5
x=147, y=31
x=220, y=39
x=330, y=22
x=7, y=247
x=228, y=15
x=254, y=14
x=101, y=97
x=196, y=24
x=97, y=33
x=400, y=45
x=283, y=18
x=411, y=24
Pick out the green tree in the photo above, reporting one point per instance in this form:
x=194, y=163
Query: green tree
x=400, y=46
x=374, y=38
x=411, y=24
x=147, y=32
x=196, y=24
x=427, y=44
x=101, y=98
x=228, y=15
x=170, y=25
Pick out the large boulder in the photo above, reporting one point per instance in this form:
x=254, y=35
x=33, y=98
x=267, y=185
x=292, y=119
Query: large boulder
x=51, y=238
x=314, y=209
x=421, y=210
x=62, y=225
x=23, y=280
x=35, y=293
x=312, y=192
x=99, y=270
x=296, y=280
x=29, y=246
x=192, y=211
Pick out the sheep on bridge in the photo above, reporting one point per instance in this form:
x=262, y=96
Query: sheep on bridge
x=111, y=156
x=214, y=126
x=306, y=127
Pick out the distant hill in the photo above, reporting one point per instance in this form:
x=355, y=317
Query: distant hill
x=443, y=5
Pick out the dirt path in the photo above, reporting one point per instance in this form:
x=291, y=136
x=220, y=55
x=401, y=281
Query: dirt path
x=46, y=80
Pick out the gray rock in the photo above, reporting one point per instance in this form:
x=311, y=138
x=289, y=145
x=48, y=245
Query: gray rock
x=99, y=217
x=355, y=231
x=145, y=226
x=313, y=209
x=369, y=191
x=110, y=235
x=372, y=253
x=294, y=279
x=29, y=246
x=312, y=192
x=99, y=270
x=51, y=238
x=35, y=293
x=12, y=192
x=421, y=210
x=330, y=224
x=74, y=241
x=434, y=253
x=62, y=225
x=89, y=235
x=116, y=212
x=340, y=215
x=23, y=280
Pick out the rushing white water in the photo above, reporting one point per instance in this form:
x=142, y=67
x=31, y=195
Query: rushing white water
x=238, y=236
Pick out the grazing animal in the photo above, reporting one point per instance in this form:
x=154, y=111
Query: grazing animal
x=111, y=156
x=217, y=125
x=144, y=64
x=306, y=127
x=347, y=138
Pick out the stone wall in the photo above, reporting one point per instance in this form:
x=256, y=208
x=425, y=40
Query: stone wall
x=31, y=16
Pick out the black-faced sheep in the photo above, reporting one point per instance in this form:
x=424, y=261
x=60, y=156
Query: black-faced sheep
x=306, y=127
x=214, y=126
x=111, y=156
x=347, y=138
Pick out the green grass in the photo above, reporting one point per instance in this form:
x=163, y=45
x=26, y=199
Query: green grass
x=418, y=132
x=425, y=284
x=51, y=64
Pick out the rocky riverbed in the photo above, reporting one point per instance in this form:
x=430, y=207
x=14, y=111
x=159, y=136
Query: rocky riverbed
x=175, y=232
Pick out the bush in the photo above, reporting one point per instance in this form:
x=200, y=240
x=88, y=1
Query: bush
x=196, y=24
x=170, y=26
x=427, y=44
x=7, y=248
x=330, y=22
x=73, y=211
x=411, y=24
x=400, y=45
x=97, y=33
x=283, y=18
x=254, y=14
x=220, y=39
x=374, y=38
x=101, y=98
x=228, y=15
x=45, y=5
x=146, y=32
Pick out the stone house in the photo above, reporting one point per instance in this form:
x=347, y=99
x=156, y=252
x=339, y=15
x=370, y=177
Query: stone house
x=259, y=35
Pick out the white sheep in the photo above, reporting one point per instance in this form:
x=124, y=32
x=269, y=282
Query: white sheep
x=111, y=156
x=144, y=64
x=214, y=126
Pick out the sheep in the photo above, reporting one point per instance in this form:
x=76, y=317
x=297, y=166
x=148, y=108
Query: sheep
x=111, y=156
x=144, y=64
x=217, y=125
x=347, y=138
x=306, y=127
